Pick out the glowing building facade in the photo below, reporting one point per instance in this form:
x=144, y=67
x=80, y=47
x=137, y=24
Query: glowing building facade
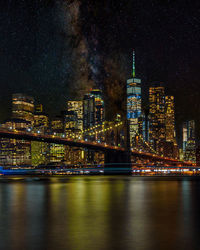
x=134, y=105
x=77, y=107
x=99, y=114
x=15, y=152
x=41, y=121
x=40, y=150
x=157, y=131
x=56, y=151
x=189, y=142
x=71, y=125
x=22, y=107
x=169, y=118
x=88, y=111
x=188, y=132
x=93, y=109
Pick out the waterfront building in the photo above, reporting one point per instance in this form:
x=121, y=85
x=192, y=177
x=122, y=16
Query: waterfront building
x=93, y=113
x=41, y=121
x=189, y=141
x=134, y=106
x=198, y=155
x=157, y=130
x=190, y=151
x=15, y=152
x=88, y=111
x=57, y=125
x=71, y=125
x=99, y=114
x=93, y=109
x=77, y=106
x=22, y=107
x=144, y=125
x=57, y=151
x=169, y=118
x=188, y=132
x=39, y=153
x=40, y=150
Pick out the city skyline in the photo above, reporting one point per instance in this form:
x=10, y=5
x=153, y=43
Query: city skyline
x=84, y=119
x=99, y=124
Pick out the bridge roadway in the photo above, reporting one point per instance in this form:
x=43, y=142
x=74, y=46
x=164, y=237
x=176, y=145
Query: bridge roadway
x=85, y=144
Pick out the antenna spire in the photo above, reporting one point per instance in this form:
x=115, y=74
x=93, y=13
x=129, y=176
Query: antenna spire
x=133, y=64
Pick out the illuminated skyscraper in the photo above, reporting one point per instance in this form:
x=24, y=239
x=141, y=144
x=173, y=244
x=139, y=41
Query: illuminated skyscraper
x=57, y=150
x=77, y=106
x=188, y=132
x=40, y=150
x=144, y=125
x=134, y=108
x=12, y=151
x=41, y=122
x=169, y=118
x=71, y=124
x=88, y=111
x=189, y=143
x=22, y=107
x=93, y=109
x=99, y=114
x=157, y=130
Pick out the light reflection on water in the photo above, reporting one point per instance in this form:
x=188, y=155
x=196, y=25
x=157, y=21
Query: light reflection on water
x=100, y=212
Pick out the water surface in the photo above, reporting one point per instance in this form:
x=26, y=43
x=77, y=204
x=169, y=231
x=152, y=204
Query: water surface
x=100, y=213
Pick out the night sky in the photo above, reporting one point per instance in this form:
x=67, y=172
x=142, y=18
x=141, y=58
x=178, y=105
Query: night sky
x=56, y=50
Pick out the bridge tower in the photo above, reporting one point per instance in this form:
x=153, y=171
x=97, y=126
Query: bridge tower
x=119, y=162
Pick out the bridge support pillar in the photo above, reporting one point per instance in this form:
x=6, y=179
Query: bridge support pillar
x=117, y=162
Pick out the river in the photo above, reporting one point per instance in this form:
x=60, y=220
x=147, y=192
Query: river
x=100, y=213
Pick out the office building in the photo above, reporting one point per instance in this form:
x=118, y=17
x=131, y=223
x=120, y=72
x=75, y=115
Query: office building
x=15, y=152
x=93, y=109
x=157, y=131
x=77, y=107
x=134, y=106
x=71, y=125
x=99, y=115
x=41, y=121
x=189, y=142
x=57, y=151
x=22, y=107
x=40, y=150
x=169, y=118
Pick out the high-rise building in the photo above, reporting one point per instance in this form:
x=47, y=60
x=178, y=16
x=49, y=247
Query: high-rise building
x=93, y=109
x=15, y=152
x=188, y=131
x=88, y=111
x=99, y=114
x=189, y=143
x=56, y=151
x=57, y=125
x=39, y=150
x=70, y=120
x=71, y=124
x=169, y=118
x=157, y=131
x=144, y=125
x=22, y=107
x=134, y=106
x=41, y=121
x=77, y=106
